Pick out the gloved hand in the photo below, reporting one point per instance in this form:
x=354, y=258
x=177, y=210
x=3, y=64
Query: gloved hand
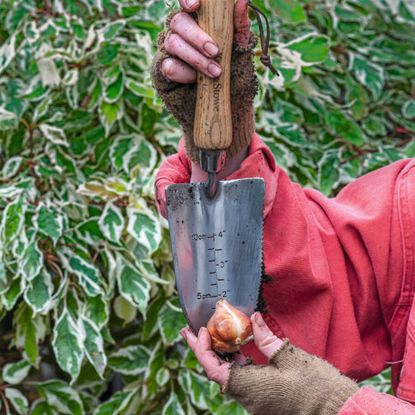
x=184, y=48
x=294, y=383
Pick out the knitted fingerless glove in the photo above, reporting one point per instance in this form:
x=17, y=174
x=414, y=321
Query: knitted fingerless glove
x=294, y=383
x=180, y=99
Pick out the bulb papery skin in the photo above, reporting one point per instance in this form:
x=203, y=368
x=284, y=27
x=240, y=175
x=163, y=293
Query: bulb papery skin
x=229, y=328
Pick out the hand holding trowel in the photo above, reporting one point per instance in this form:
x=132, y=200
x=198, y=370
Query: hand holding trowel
x=216, y=227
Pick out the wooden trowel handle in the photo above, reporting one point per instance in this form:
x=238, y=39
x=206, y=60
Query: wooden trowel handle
x=213, y=118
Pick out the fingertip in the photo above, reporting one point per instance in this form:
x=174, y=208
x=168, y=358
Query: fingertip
x=190, y=6
x=167, y=68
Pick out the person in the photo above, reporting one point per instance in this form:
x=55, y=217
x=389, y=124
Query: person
x=341, y=270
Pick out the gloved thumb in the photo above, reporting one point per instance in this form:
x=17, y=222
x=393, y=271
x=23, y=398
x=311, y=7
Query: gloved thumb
x=266, y=341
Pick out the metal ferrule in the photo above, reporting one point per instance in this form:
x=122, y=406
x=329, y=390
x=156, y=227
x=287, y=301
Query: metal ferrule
x=212, y=162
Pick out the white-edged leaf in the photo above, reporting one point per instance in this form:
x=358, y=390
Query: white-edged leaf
x=7, y=115
x=68, y=344
x=116, y=404
x=41, y=407
x=32, y=261
x=89, y=275
x=48, y=71
x=170, y=322
x=97, y=310
x=111, y=223
x=131, y=360
x=4, y=282
x=61, y=396
x=173, y=406
x=11, y=167
x=54, y=134
x=196, y=386
x=94, y=346
x=71, y=77
x=368, y=74
x=162, y=376
x=408, y=109
x=14, y=373
x=7, y=51
x=13, y=219
x=144, y=227
x=18, y=400
x=49, y=222
x=39, y=292
x=132, y=285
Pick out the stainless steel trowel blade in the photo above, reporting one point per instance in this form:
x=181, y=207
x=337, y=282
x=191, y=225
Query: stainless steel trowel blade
x=217, y=245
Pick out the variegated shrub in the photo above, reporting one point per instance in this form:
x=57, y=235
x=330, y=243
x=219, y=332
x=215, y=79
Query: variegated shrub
x=89, y=313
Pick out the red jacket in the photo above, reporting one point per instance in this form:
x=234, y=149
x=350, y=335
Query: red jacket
x=342, y=269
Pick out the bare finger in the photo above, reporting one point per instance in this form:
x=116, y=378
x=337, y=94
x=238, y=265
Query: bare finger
x=190, y=338
x=185, y=26
x=266, y=341
x=189, y=5
x=176, y=46
x=178, y=71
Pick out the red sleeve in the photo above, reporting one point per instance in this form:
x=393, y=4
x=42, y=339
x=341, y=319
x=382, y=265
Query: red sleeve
x=175, y=169
x=369, y=402
x=342, y=269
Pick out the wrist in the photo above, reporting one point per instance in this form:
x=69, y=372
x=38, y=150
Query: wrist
x=231, y=165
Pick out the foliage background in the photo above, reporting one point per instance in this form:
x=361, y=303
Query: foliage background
x=89, y=315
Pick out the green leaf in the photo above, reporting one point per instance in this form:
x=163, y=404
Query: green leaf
x=328, y=176
x=68, y=345
x=115, y=406
x=14, y=373
x=18, y=400
x=109, y=114
x=313, y=48
x=125, y=310
x=111, y=223
x=289, y=10
x=13, y=293
x=97, y=310
x=30, y=330
x=114, y=91
x=49, y=222
x=173, y=406
x=140, y=89
x=94, y=346
x=131, y=360
x=132, y=285
x=32, y=261
x=408, y=110
x=13, y=219
x=344, y=127
x=41, y=407
x=60, y=396
x=150, y=324
x=39, y=292
x=144, y=227
x=170, y=322
x=368, y=74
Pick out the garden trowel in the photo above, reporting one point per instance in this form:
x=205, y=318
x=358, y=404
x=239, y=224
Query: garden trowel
x=216, y=227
